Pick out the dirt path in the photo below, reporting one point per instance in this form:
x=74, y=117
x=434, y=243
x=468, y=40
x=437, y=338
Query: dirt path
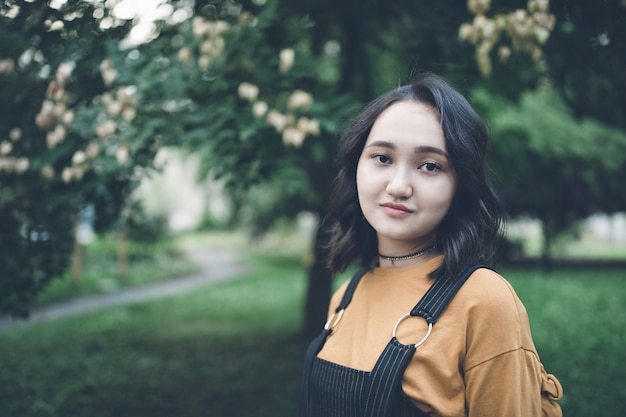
x=214, y=265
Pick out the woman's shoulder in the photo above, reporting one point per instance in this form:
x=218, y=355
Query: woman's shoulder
x=488, y=288
x=488, y=302
x=492, y=311
x=338, y=294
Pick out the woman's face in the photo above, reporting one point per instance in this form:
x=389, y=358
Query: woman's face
x=405, y=182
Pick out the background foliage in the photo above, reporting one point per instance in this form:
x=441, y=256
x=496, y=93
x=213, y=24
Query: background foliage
x=66, y=129
x=261, y=91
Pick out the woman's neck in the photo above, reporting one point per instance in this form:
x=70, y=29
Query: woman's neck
x=400, y=258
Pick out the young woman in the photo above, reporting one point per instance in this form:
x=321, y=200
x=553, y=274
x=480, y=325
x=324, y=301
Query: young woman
x=414, y=207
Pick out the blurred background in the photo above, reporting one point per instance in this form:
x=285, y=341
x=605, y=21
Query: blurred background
x=164, y=165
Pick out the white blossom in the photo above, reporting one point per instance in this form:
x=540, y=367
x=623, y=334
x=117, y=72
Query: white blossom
x=212, y=47
x=106, y=129
x=204, y=62
x=478, y=6
x=467, y=32
x=45, y=118
x=300, y=100
x=56, y=136
x=538, y=5
x=7, y=66
x=47, y=171
x=67, y=175
x=125, y=96
x=220, y=27
x=308, y=126
x=59, y=110
x=293, y=136
x=248, y=91
x=92, y=150
x=68, y=117
x=277, y=120
x=286, y=59
x=106, y=98
x=122, y=155
x=108, y=72
x=15, y=134
x=184, y=55
x=259, y=109
x=79, y=157
x=114, y=108
x=6, y=148
x=21, y=165
x=64, y=71
x=504, y=52
x=200, y=26
x=70, y=174
x=17, y=165
x=129, y=113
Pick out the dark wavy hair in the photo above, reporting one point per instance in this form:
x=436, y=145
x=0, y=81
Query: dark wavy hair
x=470, y=232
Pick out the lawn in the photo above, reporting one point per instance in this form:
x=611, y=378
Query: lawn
x=100, y=271
x=232, y=349
x=578, y=318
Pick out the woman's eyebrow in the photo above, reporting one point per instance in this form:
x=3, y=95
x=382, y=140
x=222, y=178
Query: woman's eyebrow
x=430, y=149
x=381, y=144
x=418, y=149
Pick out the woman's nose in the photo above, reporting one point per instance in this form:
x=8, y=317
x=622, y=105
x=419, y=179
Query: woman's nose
x=399, y=185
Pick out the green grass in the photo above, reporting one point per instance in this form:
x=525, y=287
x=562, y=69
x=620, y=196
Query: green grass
x=232, y=349
x=578, y=318
x=101, y=273
x=227, y=350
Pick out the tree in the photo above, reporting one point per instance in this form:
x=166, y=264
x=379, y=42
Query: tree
x=551, y=166
x=577, y=46
x=249, y=97
x=554, y=163
x=67, y=139
x=263, y=92
x=585, y=57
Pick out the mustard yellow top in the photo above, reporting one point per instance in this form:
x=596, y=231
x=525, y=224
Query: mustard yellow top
x=480, y=359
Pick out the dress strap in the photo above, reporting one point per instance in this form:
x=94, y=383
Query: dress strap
x=317, y=343
x=386, y=378
x=439, y=295
x=347, y=295
x=385, y=382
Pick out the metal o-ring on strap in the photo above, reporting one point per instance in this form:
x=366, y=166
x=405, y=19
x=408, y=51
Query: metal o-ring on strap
x=333, y=321
x=421, y=342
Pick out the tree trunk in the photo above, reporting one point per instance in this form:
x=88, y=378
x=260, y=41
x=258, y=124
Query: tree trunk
x=356, y=72
x=318, y=291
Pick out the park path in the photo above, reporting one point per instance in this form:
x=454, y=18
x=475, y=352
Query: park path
x=214, y=264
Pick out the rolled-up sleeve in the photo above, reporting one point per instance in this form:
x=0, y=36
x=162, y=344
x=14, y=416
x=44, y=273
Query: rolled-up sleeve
x=513, y=384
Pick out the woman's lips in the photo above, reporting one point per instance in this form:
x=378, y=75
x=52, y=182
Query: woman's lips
x=396, y=210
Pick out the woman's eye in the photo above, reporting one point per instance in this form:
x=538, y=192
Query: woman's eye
x=382, y=159
x=430, y=167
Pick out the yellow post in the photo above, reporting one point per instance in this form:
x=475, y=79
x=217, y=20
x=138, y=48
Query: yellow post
x=76, y=261
x=122, y=253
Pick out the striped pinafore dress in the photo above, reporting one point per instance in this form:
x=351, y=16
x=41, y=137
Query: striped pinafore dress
x=332, y=390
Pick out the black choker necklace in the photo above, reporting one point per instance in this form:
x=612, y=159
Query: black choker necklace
x=406, y=257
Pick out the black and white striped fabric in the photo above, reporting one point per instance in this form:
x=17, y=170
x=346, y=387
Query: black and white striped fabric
x=333, y=390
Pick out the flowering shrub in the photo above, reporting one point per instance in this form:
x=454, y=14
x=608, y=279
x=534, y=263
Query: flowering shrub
x=66, y=138
x=527, y=29
x=248, y=102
